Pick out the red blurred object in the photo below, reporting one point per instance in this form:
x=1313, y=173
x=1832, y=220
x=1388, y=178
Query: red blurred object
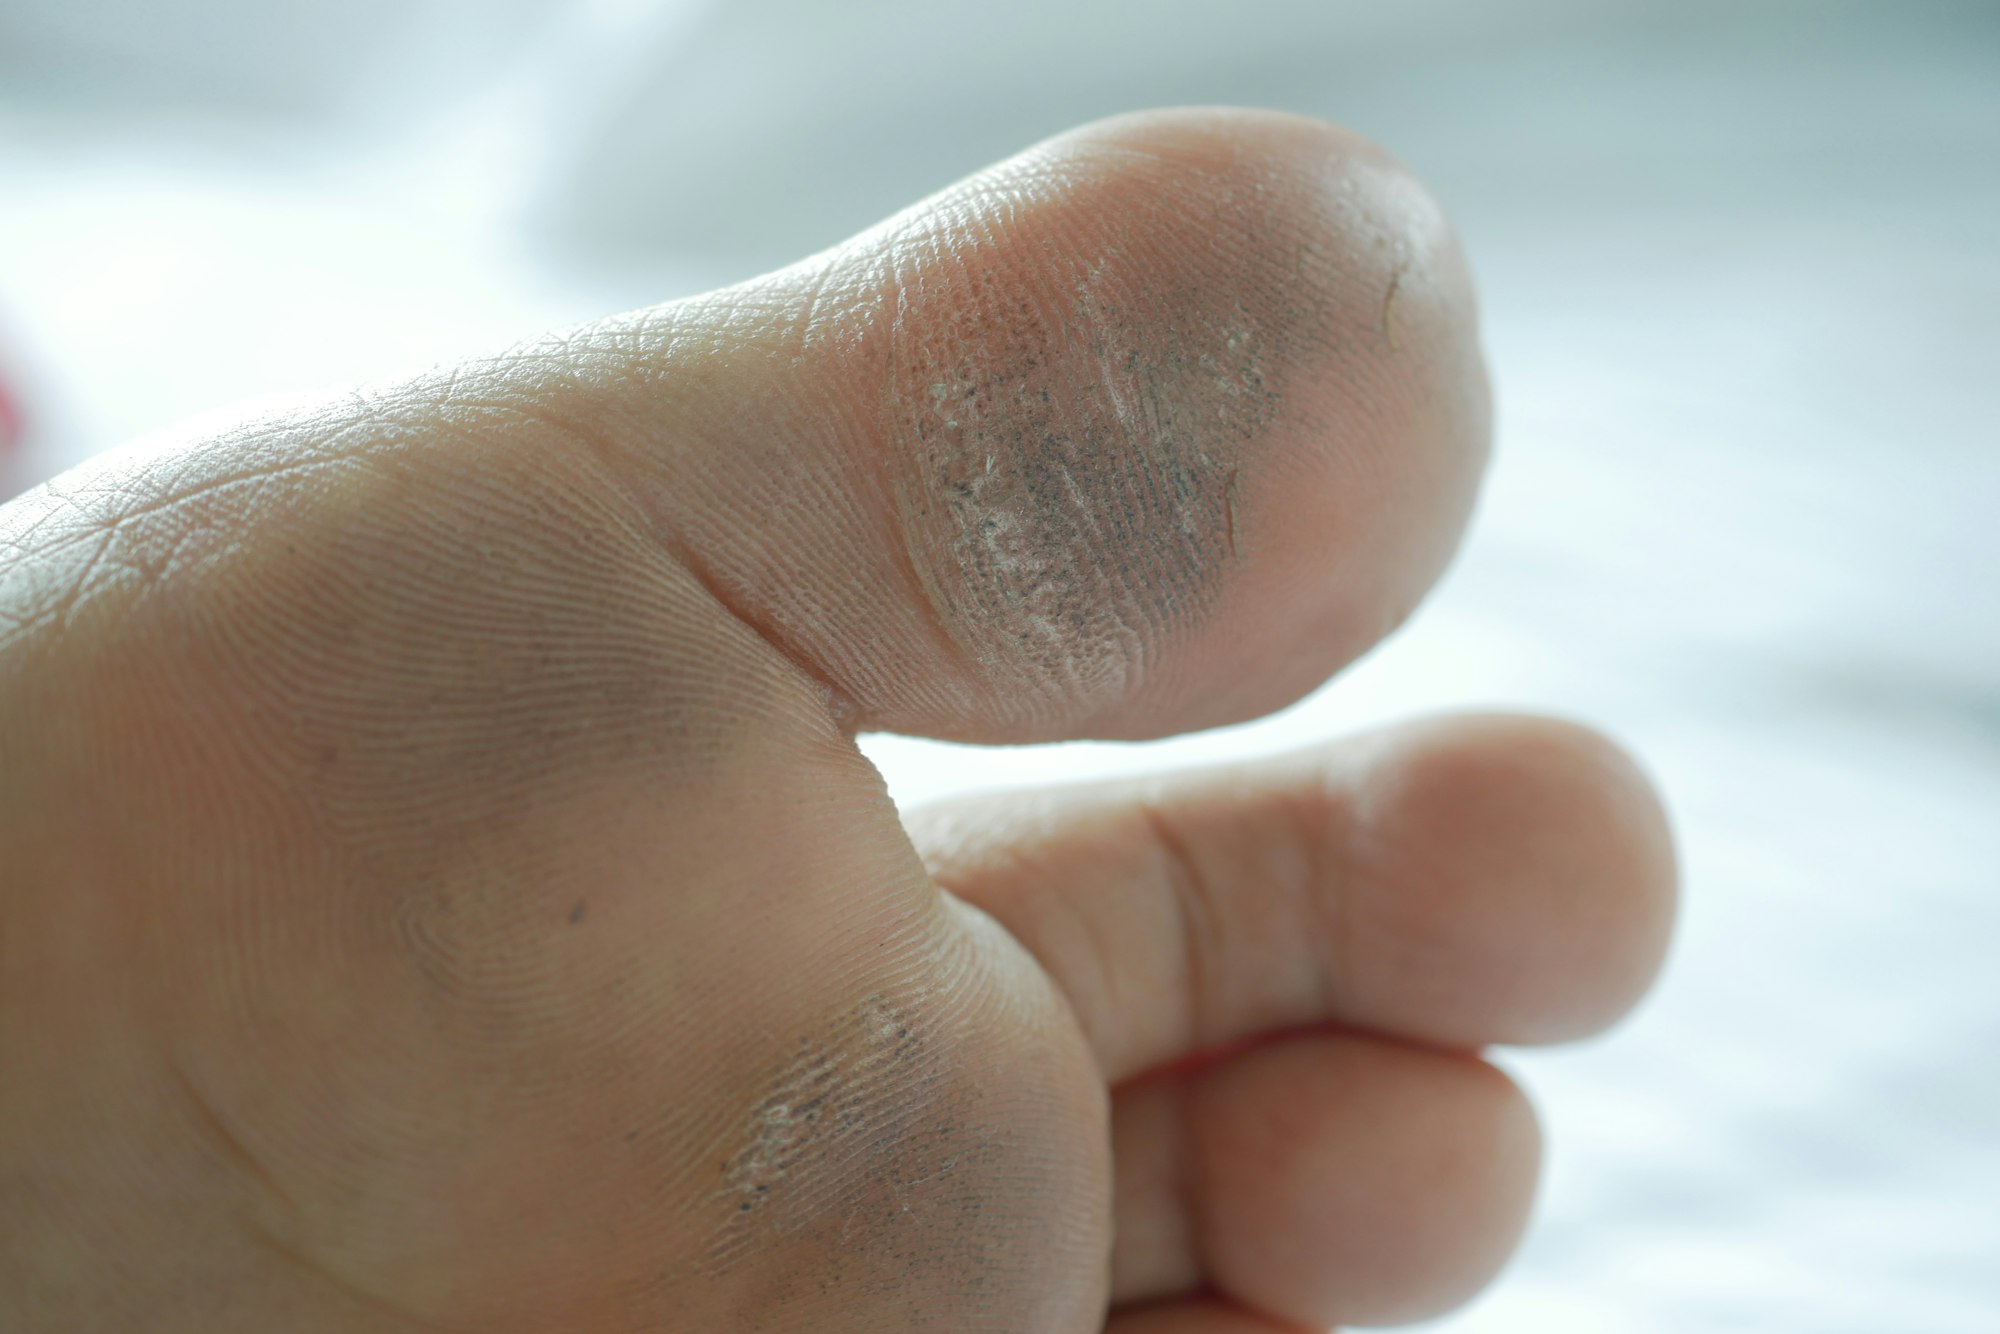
x=10, y=424
x=13, y=463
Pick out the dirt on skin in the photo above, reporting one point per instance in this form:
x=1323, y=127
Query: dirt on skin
x=882, y=1173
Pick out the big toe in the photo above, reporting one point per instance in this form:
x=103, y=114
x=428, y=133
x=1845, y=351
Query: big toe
x=1152, y=426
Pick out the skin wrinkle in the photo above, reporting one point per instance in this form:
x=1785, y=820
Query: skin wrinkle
x=1321, y=818
x=801, y=468
x=228, y=1143
x=1196, y=923
x=319, y=1272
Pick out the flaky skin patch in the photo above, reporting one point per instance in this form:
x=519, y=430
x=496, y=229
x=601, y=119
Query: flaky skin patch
x=1078, y=401
x=1072, y=493
x=887, y=1169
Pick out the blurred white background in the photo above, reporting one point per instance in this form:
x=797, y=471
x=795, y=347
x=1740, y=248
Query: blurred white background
x=1741, y=266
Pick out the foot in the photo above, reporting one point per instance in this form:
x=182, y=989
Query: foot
x=443, y=893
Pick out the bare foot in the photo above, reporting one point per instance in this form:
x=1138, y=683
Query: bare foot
x=442, y=891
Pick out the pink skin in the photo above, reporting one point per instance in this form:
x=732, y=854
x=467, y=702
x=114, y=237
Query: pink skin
x=443, y=891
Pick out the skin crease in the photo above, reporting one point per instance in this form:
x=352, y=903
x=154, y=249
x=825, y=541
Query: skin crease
x=442, y=891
